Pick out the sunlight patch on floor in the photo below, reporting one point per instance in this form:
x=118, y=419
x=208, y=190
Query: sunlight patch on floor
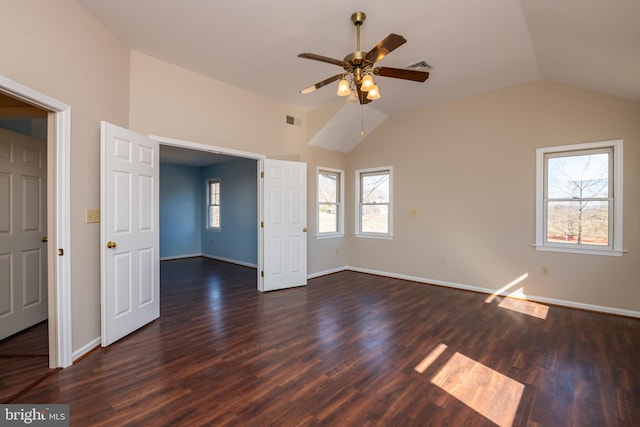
x=526, y=307
x=430, y=358
x=486, y=391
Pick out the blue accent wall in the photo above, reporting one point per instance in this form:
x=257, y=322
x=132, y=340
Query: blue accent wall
x=237, y=238
x=180, y=210
x=183, y=200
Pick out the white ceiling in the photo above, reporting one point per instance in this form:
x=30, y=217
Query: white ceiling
x=473, y=46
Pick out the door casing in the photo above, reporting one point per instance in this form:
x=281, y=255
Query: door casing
x=58, y=218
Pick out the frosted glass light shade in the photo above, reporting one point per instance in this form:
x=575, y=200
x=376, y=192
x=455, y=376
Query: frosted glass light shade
x=343, y=88
x=367, y=83
x=374, y=93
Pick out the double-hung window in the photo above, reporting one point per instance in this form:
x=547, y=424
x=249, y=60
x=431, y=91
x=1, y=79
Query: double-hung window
x=213, y=203
x=579, y=198
x=374, y=203
x=330, y=207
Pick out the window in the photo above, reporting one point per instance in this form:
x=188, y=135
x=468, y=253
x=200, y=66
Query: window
x=213, y=203
x=373, y=202
x=579, y=198
x=330, y=207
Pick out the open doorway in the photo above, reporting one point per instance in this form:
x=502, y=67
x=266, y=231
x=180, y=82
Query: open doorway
x=247, y=250
x=57, y=222
x=24, y=340
x=208, y=206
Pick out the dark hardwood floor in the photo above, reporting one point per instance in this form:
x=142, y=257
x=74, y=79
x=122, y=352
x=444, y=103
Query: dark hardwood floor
x=352, y=349
x=24, y=361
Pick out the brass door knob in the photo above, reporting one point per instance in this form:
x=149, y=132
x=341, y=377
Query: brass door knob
x=304, y=230
x=111, y=244
x=44, y=239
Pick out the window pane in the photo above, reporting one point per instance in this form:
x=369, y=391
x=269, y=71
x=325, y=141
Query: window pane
x=328, y=187
x=214, y=216
x=579, y=222
x=583, y=176
x=375, y=218
x=375, y=188
x=328, y=218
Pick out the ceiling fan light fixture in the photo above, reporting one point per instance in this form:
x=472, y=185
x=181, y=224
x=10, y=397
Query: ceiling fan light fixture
x=343, y=88
x=352, y=98
x=374, y=93
x=367, y=83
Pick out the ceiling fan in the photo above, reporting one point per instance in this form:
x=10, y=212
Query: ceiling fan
x=359, y=67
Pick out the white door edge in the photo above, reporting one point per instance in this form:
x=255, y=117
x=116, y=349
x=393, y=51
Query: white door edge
x=58, y=221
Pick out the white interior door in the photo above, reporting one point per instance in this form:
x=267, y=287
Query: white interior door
x=130, y=286
x=23, y=222
x=285, y=224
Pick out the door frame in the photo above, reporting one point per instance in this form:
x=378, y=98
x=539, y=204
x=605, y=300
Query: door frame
x=58, y=218
x=236, y=153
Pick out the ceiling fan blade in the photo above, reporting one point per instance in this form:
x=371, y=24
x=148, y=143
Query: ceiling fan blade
x=401, y=73
x=318, y=85
x=389, y=44
x=321, y=58
x=362, y=96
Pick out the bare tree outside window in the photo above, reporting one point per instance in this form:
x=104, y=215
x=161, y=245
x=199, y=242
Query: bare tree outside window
x=328, y=201
x=578, y=198
x=374, y=202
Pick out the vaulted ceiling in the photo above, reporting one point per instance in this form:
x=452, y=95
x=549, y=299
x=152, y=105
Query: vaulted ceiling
x=472, y=46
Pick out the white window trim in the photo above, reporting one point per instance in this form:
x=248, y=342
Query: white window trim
x=358, y=233
x=207, y=225
x=616, y=248
x=340, y=232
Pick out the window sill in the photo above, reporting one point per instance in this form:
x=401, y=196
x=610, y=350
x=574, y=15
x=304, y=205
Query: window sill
x=213, y=229
x=329, y=236
x=583, y=251
x=375, y=236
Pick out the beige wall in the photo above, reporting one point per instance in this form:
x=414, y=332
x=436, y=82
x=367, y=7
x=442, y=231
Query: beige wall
x=59, y=49
x=469, y=168
x=170, y=101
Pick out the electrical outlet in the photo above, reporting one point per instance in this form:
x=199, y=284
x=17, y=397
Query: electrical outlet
x=443, y=259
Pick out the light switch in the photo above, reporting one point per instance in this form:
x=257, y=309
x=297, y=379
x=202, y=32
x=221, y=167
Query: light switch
x=92, y=216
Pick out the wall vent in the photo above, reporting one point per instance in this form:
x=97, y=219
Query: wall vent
x=290, y=120
x=420, y=65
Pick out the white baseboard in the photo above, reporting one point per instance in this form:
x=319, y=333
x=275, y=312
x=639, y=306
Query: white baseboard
x=232, y=261
x=553, y=301
x=85, y=349
x=169, y=258
x=324, y=273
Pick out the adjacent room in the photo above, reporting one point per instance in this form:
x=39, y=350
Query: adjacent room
x=443, y=193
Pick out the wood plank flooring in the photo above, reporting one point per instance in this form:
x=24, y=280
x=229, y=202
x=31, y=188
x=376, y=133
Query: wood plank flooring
x=24, y=358
x=351, y=349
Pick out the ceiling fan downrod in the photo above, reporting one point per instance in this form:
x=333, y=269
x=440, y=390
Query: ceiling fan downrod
x=358, y=19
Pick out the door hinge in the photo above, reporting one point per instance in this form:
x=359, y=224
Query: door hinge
x=262, y=274
x=60, y=252
x=262, y=174
x=261, y=224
